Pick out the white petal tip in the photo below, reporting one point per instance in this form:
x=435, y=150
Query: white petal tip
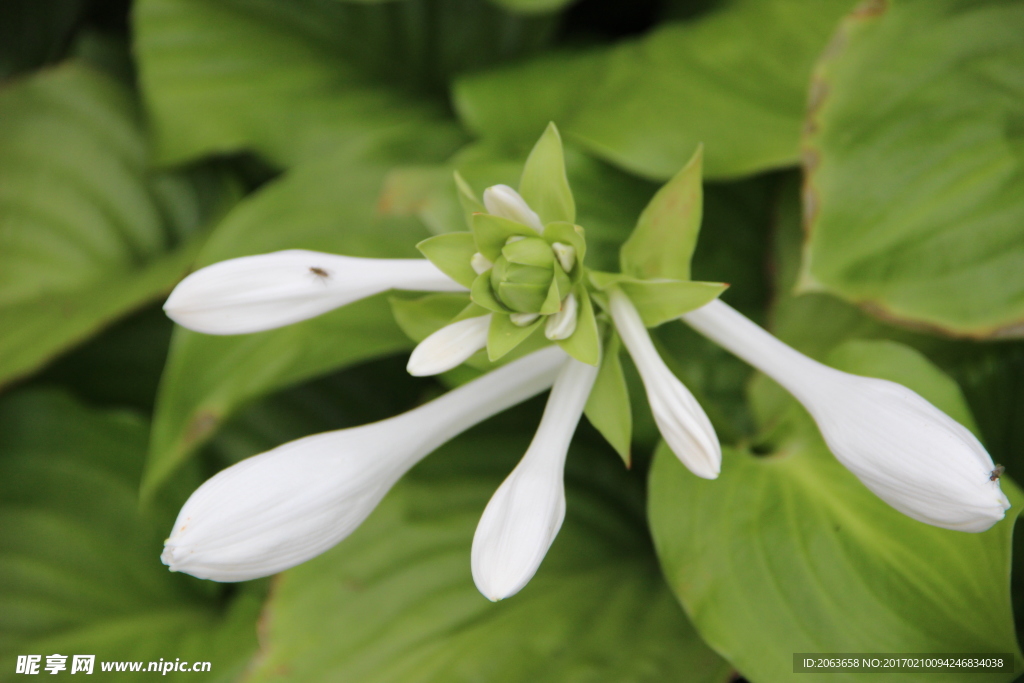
x=449, y=347
x=502, y=200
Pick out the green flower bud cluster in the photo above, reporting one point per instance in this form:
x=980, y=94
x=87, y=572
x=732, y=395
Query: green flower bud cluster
x=525, y=272
x=522, y=261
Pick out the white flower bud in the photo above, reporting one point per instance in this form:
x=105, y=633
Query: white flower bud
x=682, y=422
x=562, y=324
x=908, y=452
x=525, y=513
x=480, y=263
x=280, y=508
x=449, y=347
x=523, y=319
x=257, y=293
x=502, y=200
x=566, y=255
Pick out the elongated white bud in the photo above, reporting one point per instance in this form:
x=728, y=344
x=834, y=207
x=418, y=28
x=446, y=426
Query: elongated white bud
x=562, y=324
x=449, y=347
x=280, y=508
x=682, y=422
x=908, y=452
x=257, y=293
x=502, y=200
x=525, y=513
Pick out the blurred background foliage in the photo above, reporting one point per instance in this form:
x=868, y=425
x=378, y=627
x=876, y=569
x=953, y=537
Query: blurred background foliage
x=864, y=199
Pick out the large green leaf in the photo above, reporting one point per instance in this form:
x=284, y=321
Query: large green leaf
x=289, y=78
x=328, y=205
x=396, y=601
x=796, y=541
x=915, y=160
x=86, y=231
x=220, y=76
x=80, y=564
x=734, y=79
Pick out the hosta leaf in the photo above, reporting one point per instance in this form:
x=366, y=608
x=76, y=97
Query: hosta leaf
x=87, y=233
x=914, y=163
x=734, y=78
x=795, y=540
x=80, y=563
x=278, y=77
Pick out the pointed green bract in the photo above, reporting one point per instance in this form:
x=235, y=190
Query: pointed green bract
x=503, y=335
x=533, y=251
x=492, y=232
x=659, y=301
x=662, y=243
x=554, y=300
x=522, y=298
x=452, y=253
x=482, y=295
x=470, y=204
x=585, y=343
x=421, y=317
x=608, y=404
x=544, y=185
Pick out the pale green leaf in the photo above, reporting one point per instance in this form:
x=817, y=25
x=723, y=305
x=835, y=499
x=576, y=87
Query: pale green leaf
x=735, y=79
x=914, y=164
